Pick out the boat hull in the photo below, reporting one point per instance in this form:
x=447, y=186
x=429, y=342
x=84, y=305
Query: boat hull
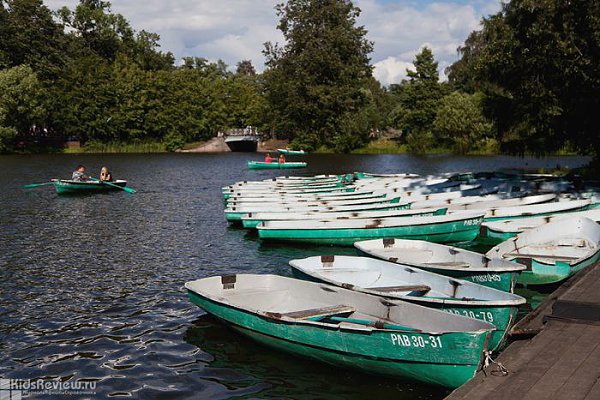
x=69, y=188
x=275, y=165
x=443, y=232
x=448, y=359
x=538, y=273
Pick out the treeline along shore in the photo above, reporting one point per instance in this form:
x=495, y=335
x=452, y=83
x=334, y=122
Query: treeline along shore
x=526, y=82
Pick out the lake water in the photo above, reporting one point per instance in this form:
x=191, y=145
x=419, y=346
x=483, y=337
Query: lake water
x=91, y=288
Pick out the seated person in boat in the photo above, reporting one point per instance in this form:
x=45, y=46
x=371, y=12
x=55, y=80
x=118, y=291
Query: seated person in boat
x=281, y=159
x=268, y=158
x=105, y=176
x=79, y=174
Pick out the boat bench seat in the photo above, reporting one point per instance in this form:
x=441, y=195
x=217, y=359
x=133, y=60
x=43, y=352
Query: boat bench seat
x=320, y=312
x=453, y=264
x=554, y=257
x=404, y=288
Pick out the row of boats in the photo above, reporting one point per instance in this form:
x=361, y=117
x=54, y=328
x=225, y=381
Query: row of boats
x=408, y=304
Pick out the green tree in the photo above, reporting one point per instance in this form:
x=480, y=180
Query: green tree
x=30, y=35
x=460, y=121
x=419, y=98
x=315, y=82
x=245, y=67
x=537, y=62
x=20, y=108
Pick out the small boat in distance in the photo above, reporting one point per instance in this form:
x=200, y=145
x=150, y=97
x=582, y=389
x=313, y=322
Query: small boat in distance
x=291, y=152
x=347, y=328
x=275, y=165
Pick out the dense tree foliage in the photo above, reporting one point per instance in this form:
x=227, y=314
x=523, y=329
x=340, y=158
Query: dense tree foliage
x=87, y=73
x=318, y=82
x=537, y=63
x=529, y=79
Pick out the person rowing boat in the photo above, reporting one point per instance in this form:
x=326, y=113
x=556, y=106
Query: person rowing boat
x=79, y=174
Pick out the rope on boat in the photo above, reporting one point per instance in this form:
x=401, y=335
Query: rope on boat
x=500, y=369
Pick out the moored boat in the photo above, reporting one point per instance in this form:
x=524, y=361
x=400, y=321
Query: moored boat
x=446, y=260
x=494, y=232
x=347, y=328
x=252, y=220
x=235, y=214
x=64, y=186
x=441, y=229
x=397, y=281
x=291, y=152
x=554, y=251
x=275, y=165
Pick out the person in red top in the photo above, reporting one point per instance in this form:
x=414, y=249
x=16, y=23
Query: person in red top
x=281, y=159
x=268, y=158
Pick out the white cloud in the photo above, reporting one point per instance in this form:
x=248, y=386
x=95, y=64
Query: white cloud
x=236, y=29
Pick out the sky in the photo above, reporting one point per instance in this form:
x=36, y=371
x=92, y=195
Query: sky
x=234, y=30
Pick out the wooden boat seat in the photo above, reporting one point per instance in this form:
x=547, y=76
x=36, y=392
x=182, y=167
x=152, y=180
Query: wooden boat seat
x=404, y=288
x=453, y=264
x=554, y=257
x=320, y=312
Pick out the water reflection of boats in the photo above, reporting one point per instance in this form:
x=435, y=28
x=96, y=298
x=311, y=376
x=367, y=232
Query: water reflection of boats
x=242, y=364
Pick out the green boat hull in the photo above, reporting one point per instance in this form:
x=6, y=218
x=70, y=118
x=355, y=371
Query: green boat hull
x=292, y=152
x=503, y=317
x=276, y=165
x=448, y=359
x=443, y=232
x=67, y=188
x=538, y=273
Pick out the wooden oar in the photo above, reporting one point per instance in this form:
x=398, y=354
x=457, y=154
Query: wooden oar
x=33, y=185
x=125, y=188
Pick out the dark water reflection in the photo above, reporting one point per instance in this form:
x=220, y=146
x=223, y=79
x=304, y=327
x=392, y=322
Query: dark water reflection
x=91, y=288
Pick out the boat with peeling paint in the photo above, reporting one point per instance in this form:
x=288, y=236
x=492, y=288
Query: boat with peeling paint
x=495, y=232
x=252, y=220
x=554, y=251
x=440, y=229
x=446, y=260
x=403, y=282
x=347, y=328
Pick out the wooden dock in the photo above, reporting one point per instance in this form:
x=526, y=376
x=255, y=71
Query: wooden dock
x=558, y=356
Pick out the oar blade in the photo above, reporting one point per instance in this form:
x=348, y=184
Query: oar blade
x=34, y=185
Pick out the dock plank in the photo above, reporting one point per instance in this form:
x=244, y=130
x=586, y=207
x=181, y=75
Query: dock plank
x=586, y=378
x=562, y=371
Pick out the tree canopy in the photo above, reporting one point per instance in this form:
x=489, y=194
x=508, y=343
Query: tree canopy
x=317, y=82
x=537, y=63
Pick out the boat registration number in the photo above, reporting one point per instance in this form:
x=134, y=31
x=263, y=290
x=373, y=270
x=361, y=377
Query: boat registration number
x=415, y=341
x=482, y=315
x=471, y=222
x=486, y=278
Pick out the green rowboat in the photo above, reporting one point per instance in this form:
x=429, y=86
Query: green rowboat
x=397, y=281
x=554, y=251
x=251, y=220
x=445, y=260
x=495, y=232
x=439, y=229
x=292, y=152
x=275, y=165
x=347, y=328
x=76, y=187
